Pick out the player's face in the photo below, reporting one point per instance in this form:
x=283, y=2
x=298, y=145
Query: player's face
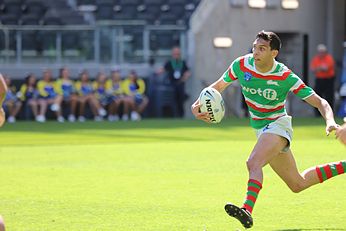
x=116, y=76
x=65, y=73
x=32, y=80
x=176, y=53
x=47, y=75
x=84, y=77
x=132, y=77
x=262, y=52
x=102, y=78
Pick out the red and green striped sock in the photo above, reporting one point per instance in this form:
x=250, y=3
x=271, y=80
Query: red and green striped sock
x=253, y=188
x=330, y=170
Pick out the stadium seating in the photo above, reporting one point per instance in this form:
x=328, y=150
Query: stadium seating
x=29, y=12
x=162, y=12
x=87, y=12
x=9, y=19
x=153, y=12
x=30, y=19
x=34, y=7
x=13, y=7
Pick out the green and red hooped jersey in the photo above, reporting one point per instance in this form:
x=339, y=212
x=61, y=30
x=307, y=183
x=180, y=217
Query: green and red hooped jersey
x=265, y=93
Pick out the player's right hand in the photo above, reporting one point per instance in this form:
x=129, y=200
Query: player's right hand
x=2, y=117
x=196, y=111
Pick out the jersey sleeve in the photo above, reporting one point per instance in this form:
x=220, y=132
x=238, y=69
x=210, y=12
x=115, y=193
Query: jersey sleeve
x=22, y=91
x=40, y=88
x=108, y=87
x=126, y=87
x=299, y=88
x=230, y=74
x=77, y=87
x=141, y=86
x=58, y=87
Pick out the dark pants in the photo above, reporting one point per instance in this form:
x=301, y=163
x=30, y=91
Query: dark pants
x=180, y=97
x=325, y=89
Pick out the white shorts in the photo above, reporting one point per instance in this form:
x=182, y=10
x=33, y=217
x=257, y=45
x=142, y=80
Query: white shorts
x=281, y=127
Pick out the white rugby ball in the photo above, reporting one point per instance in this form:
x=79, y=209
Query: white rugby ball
x=212, y=103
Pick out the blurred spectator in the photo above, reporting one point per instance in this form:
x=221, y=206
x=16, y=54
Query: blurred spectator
x=49, y=96
x=28, y=94
x=3, y=90
x=322, y=65
x=115, y=90
x=12, y=103
x=134, y=88
x=65, y=87
x=178, y=73
x=101, y=92
x=86, y=94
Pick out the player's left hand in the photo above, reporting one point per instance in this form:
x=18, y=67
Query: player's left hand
x=332, y=126
x=2, y=117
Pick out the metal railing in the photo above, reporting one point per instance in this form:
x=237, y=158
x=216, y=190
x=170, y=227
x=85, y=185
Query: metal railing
x=106, y=42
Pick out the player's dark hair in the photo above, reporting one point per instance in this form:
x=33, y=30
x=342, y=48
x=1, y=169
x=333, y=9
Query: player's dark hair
x=134, y=73
x=61, y=70
x=27, y=79
x=272, y=38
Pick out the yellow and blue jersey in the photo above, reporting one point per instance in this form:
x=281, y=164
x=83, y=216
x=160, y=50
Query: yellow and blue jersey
x=131, y=88
x=46, y=89
x=11, y=94
x=26, y=93
x=84, y=89
x=115, y=89
x=65, y=88
x=102, y=94
x=100, y=90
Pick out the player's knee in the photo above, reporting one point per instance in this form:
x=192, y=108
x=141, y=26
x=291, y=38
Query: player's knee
x=253, y=164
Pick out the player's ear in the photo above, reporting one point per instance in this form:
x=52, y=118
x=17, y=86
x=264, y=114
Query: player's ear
x=275, y=53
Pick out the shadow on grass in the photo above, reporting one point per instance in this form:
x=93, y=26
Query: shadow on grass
x=55, y=127
x=325, y=229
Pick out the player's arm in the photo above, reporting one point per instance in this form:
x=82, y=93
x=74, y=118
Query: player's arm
x=3, y=90
x=341, y=133
x=326, y=111
x=219, y=85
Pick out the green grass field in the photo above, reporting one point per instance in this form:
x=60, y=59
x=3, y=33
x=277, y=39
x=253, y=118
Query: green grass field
x=157, y=175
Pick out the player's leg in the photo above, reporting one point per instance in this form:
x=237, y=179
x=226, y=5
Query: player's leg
x=112, y=107
x=180, y=95
x=82, y=100
x=43, y=110
x=329, y=92
x=73, y=104
x=34, y=106
x=285, y=166
x=143, y=104
x=267, y=147
x=18, y=106
x=319, y=89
